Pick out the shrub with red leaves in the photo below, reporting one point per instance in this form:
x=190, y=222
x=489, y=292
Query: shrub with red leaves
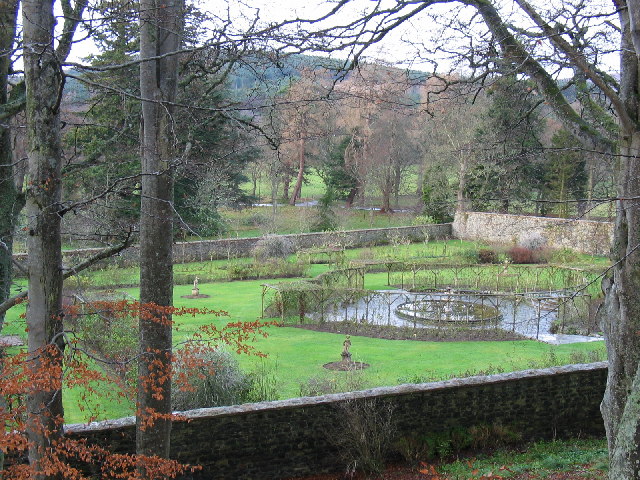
x=524, y=255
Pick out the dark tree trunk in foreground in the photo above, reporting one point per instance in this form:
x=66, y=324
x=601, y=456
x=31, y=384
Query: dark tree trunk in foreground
x=161, y=25
x=43, y=79
x=10, y=200
x=621, y=404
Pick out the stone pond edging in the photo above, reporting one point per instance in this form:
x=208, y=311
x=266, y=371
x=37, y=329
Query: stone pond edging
x=275, y=440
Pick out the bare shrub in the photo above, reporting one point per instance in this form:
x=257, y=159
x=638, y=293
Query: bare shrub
x=365, y=436
x=532, y=240
x=349, y=381
x=214, y=379
x=493, y=435
x=269, y=268
x=487, y=255
x=273, y=246
x=397, y=239
x=256, y=220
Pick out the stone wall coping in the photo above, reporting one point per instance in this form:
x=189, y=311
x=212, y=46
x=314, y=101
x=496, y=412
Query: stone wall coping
x=90, y=250
x=537, y=217
x=379, y=392
x=315, y=234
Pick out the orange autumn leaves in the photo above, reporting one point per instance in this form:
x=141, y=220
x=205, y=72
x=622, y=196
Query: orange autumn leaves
x=73, y=364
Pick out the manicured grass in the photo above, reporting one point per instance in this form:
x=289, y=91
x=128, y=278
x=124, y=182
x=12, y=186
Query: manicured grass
x=313, y=187
x=299, y=354
x=296, y=355
x=451, y=251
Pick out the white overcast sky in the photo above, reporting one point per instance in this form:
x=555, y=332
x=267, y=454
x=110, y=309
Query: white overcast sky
x=395, y=48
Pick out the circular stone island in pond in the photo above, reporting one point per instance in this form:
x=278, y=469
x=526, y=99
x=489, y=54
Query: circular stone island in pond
x=449, y=311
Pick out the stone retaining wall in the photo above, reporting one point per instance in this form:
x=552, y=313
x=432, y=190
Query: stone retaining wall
x=186, y=252
x=275, y=440
x=586, y=236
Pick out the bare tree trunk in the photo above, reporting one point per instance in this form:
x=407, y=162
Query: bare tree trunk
x=43, y=78
x=351, y=196
x=461, y=203
x=161, y=26
x=10, y=205
x=396, y=185
x=386, y=189
x=298, y=186
x=419, y=182
x=274, y=195
x=286, y=180
x=10, y=200
x=621, y=403
x=254, y=181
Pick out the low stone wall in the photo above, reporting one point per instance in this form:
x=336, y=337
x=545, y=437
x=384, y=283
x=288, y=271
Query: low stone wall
x=275, y=440
x=185, y=252
x=581, y=235
x=586, y=236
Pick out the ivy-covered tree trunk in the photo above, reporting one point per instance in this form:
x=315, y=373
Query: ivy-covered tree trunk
x=161, y=25
x=43, y=78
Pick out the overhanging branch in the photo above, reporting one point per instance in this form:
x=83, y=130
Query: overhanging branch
x=106, y=253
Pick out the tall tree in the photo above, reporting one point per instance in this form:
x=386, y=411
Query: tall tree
x=303, y=117
x=392, y=148
x=507, y=148
x=44, y=81
x=11, y=200
x=335, y=173
x=565, y=175
x=449, y=148
x=161, y=27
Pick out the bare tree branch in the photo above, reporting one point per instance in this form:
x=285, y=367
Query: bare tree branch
x=106, y=253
